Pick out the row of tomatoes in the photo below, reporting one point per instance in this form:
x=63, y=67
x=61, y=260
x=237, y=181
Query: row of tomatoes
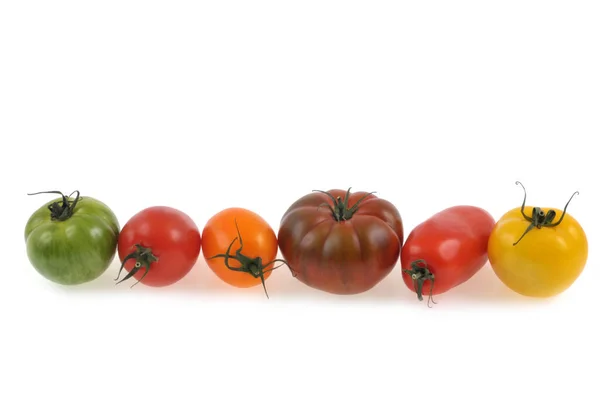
x=335, y=241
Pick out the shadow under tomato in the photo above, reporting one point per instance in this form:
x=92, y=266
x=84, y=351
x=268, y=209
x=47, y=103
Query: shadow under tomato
x=203, y=282
x=485, y=287
x=199, y=279
x=390, y=290
x=104, y=282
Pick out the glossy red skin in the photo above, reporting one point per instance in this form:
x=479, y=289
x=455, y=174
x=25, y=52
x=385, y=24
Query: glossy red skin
x=346, y=257
x=453, y=242
x=172, y=236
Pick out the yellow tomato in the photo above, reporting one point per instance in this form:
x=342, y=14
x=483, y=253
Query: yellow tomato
x=538, y=252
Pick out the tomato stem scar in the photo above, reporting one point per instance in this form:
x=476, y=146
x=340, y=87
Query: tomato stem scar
x=419, y=274
x=143, y=258
x=61, y=210
x=253, y=266
x=539, y=218
x=340, y=210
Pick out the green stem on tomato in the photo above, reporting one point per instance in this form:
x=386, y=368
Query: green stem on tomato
x=250, y=265
x=340, y=210
x=143, y=258
x=419, y=274
x=61, y=210
x=539, y=218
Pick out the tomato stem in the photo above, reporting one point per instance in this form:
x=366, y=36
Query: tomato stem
x=61, y=210
x=539, y=218
x=143, y=258
x=253, y=266
x=340, y=209
x=419, y=274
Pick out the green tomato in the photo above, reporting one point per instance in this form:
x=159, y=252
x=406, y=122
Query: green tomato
x=72, y=241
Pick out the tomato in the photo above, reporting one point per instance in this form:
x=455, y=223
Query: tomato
x=240, y=247
x=538, y=252
x=446, y=250
x=163, y=241
x=71, y=241
x=341, y=243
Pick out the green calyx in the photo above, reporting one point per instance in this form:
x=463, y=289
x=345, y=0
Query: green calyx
x=143, y=259
x=340, y=210
x=63, y=209
x=539, y=218
x=419, y=273
x=250, y=265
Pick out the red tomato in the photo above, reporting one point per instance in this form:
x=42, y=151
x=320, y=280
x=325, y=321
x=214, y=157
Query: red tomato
x=162, y=241
x=341, y=243
x=240, y=247
x=446, y=250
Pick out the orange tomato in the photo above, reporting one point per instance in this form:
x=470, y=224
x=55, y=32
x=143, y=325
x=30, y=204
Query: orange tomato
x=240, y=247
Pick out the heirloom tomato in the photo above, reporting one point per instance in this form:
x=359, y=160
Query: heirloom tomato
x=240, y=247
x=538, y=252
x=163, y=241
x=71, y=241
x=446, y=250
x=341, y=243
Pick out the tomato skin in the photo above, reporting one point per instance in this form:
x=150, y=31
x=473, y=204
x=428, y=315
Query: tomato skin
x=173, y=238
x=546, y=262
x=453, y=244
x=341, y=257
x=258, y=238
x=74, y=251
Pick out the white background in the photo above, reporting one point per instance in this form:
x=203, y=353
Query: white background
x=206, y=105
